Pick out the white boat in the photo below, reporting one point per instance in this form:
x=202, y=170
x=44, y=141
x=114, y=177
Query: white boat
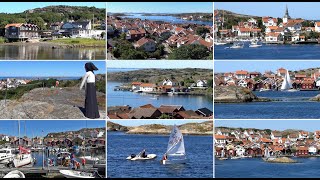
x=219, y=43
x=267, y=156
x=254, y=44
x=235, y=157
x=90, y=159
x=14, y=174
x=176, y=153
x=134, y=157
x=6, y=155
x=76, y=174
x=286, y=84
x=63, y=156
x=262, y=89
x=21, y=160
x=236, y=46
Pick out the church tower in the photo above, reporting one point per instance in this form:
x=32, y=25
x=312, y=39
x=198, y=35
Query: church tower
x=286, y=16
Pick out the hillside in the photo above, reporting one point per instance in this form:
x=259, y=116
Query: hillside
x=157, y=75
x=43, y=17
x=55, y=134
x=203, y=128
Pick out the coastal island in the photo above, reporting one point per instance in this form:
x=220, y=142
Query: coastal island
x=204, y=128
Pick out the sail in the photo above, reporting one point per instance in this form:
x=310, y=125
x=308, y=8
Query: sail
x=286, y=84
x=176, y=143
x=266, y=153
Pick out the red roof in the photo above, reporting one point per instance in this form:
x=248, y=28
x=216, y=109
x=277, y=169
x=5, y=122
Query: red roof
x=242, y=72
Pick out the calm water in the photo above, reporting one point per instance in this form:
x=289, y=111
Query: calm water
x=269, y=52
x=198, y=149
x=292, y=105
x=118, y=98
x=38, y=52
x=169, y=19
x=256, y=167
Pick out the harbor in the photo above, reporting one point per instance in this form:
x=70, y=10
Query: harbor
x=73, y=153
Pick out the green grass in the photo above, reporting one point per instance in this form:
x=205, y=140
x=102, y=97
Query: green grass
x=2, y=40
x=80, y=41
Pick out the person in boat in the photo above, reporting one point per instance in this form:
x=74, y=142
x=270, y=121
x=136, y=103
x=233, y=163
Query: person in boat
x=91, y=105
x=83, y=161
x=165, y=157
x=143, y=154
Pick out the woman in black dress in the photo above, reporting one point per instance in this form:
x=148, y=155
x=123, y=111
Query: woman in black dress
x=89, y=79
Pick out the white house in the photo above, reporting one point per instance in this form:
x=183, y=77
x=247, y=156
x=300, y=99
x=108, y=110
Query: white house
x=312, y=150
x=269, y=21
x=201, y=83
x=253, y=21
x=244, y=32
x=220, y=140
x=276, y=135
x=147, y=87
x=135, y=85
x=317, y=26
x=243, y=83
x=168, y=82
x=273, y=37
x=241, y=74
x=303, y=135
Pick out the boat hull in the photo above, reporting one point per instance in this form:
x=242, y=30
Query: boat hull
x=174, y=161
x=149, y=157
x=75, y=174
x=15, y=174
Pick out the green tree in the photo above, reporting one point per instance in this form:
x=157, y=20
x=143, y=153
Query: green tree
x=201, y=31
x=103, y=34
x=210, y=83
x=192, y=51
x=164, y=116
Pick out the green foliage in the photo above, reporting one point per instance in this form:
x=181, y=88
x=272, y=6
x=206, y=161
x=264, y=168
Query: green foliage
x=201, y=31
x=2, y=40
x=103, y=34
x=80, y=41
x=52, y=14
x=210, y=83
x=164, y=116
x=192, y=51
x=101, y=86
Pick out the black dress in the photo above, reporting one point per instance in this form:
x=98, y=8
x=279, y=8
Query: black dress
x=91, y=104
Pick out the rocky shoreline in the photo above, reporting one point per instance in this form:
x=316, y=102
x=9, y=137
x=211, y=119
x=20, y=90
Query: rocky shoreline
x=235, y=94
x=204, y=128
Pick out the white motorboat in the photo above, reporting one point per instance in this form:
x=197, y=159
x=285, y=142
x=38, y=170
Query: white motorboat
x=90, y=159
x=235, y=157
x=15, y=174
x=6, y=155
x=262, y=89
x=76, y=174
x=220, y=43
x=134, y=157
x=176, y=153
x=237, y=46
x=254, y=44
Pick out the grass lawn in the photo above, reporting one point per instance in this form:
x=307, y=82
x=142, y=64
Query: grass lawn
x=80, y=41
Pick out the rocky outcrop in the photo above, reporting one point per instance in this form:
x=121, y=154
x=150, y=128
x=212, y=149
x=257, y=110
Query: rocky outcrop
x=235, y=94
x=204, y=128
x=281, y=160
x=111, y=126
x=316, y=98
x=49, y=103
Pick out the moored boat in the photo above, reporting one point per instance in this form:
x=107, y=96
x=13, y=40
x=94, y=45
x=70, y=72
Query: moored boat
x=76, y=174
x=14, y=174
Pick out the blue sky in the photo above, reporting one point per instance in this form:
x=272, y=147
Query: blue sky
x=305, y=10
x=161, y=64
x=262, y=66
x=47, y=68
x=35, y=127
x=307, y=125
x=160, y=7
x=17, y=7
x=143, y=122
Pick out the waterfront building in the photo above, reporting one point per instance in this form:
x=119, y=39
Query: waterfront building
x=21, y=31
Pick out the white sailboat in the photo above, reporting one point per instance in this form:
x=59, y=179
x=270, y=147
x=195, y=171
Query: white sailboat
x=286, y=84
x=176, y=153
x=24, y=157
x=222, y=156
